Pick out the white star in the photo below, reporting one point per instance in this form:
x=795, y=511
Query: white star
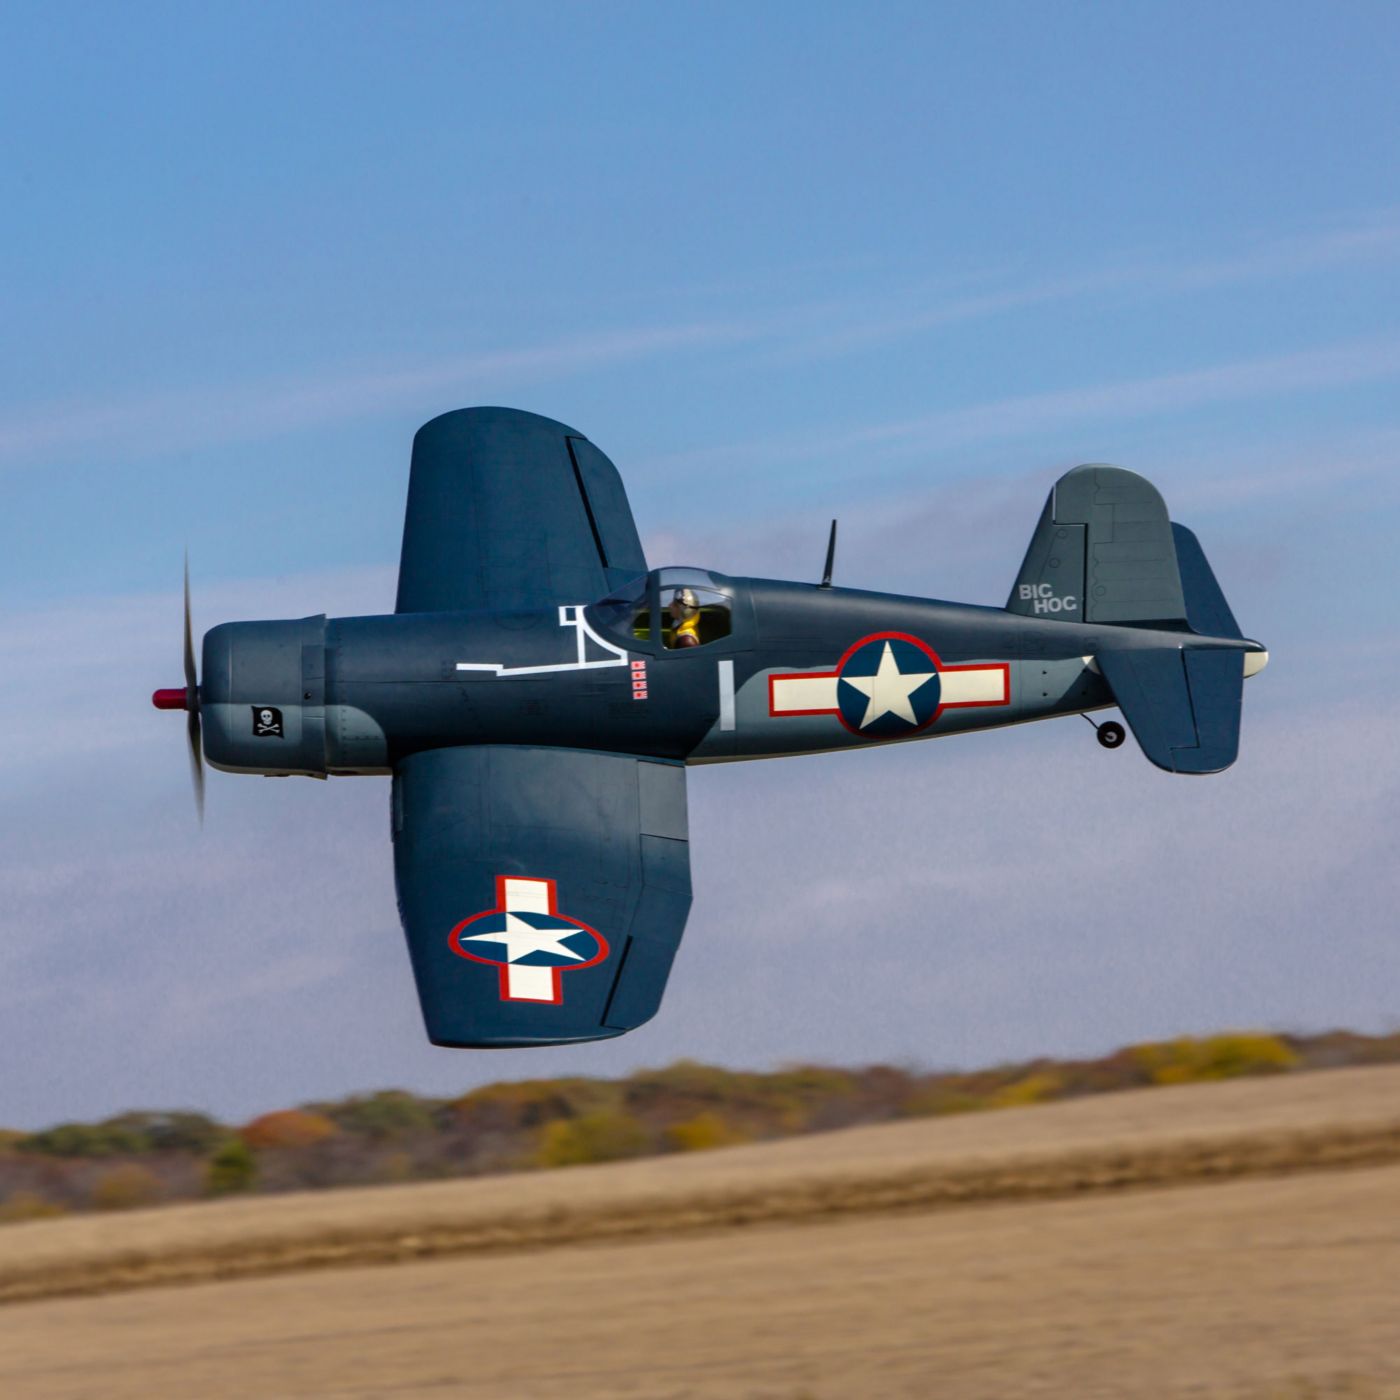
x=889, y=689
x=522, y=939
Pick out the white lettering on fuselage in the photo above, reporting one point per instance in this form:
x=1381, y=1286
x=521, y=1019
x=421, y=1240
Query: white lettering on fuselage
x=1043, y=598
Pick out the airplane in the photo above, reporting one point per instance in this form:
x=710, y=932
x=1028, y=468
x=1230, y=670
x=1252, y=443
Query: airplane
x=539, y=691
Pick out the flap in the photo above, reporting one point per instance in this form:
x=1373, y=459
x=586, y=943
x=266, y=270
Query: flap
x=543, y=892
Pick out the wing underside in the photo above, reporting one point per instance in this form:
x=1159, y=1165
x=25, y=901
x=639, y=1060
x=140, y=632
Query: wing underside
x=543, y=892
x=510, y=510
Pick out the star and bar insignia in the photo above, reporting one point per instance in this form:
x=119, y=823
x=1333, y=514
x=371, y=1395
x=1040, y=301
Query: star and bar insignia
x=887, y=686
x=527, y=938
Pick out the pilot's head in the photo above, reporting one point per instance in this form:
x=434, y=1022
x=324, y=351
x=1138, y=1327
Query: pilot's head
x=683, y=604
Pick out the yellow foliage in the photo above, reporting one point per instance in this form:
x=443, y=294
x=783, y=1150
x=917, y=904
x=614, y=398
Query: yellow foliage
x=704, y=1131
x=1034, y=1088
x=29, y=1205
x=602, y=1136
x=125, y=1187
x=528, y=1103
x=938, y=1100
x=1188, y=1060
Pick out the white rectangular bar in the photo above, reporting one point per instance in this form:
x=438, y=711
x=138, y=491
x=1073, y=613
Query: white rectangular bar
x=793, y=694
x=525, y=896
x=530, y=983
x=726, y=695
x=982, y=685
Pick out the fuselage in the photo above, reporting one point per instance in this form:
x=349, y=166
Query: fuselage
x=777, y=668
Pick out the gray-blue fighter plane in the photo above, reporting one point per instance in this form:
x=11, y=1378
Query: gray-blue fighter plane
x=538, y=692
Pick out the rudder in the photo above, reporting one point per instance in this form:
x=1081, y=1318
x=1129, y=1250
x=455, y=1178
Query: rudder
x=1103, y=552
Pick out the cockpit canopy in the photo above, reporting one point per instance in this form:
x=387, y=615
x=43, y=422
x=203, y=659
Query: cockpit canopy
x=676, y=608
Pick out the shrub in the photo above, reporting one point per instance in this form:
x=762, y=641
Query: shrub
x=530, y=1103
x=83, y=1140
x=1225, y=1056
x=940, y=1097
x=785, y=1101
x=699, y=1134
x=1031, y=1088
x=383, y=1117
x=231, y=1169
x=125, y=1187
x=29, y=1205
x=289, y=1127
x=177, y=1131
x=604, y=1135
x=397, y=1166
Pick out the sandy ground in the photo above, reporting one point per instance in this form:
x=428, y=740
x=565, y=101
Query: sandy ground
x=1262, y=1127
x=1265, y=1287
x=1285, y=1288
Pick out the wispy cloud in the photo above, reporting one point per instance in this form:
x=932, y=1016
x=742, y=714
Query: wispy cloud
x=1367, y=361
x=833, y=326
x=1133, y=277
x=241, y=411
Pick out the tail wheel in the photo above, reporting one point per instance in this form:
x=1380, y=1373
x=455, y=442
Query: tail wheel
x=1111, y=734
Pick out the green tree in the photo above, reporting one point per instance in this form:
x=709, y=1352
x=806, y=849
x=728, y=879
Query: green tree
x=387, y=1116
x=233, y=1168
x=179, y=1130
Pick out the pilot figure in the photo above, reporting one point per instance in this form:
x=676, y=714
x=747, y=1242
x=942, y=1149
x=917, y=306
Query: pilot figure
x=685, y=617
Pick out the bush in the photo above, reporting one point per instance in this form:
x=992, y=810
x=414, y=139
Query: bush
x=29, y=1205
x=83, y=1140
x=1032, y=1088
x=530, y=1103
x=289, y=1127
x=941, y=1097
x=1224, y=1056
x=785, y=1101
x=699, y=1134
x=231, y=1169
x=383, y=1117
x=602, y=1136
x=125, y=1187
x=175, y=1131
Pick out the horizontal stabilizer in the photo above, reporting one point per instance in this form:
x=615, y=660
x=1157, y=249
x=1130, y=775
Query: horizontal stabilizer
x=1182, y=704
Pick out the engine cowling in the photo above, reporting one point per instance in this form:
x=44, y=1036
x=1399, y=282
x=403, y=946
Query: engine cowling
x=262, y=697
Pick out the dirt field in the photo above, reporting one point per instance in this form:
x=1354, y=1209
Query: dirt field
x=1265, y=1287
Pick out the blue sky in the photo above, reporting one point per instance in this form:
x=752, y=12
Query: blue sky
x=897, y=263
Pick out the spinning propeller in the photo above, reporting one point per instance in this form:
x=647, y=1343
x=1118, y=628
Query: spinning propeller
x=188, y=700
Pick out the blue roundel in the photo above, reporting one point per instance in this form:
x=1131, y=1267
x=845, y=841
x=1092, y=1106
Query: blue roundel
x=888, y=687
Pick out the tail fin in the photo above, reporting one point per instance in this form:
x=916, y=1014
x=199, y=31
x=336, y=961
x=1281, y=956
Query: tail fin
x=1103, y=552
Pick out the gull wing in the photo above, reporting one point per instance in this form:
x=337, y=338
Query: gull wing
x=543, y=892
x=509, y=510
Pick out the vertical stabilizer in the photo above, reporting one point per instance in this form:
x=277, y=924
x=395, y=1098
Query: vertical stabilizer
x=1103, y=552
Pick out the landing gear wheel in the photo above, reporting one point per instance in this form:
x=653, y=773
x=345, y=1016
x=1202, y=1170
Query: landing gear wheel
x=1111, y=734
